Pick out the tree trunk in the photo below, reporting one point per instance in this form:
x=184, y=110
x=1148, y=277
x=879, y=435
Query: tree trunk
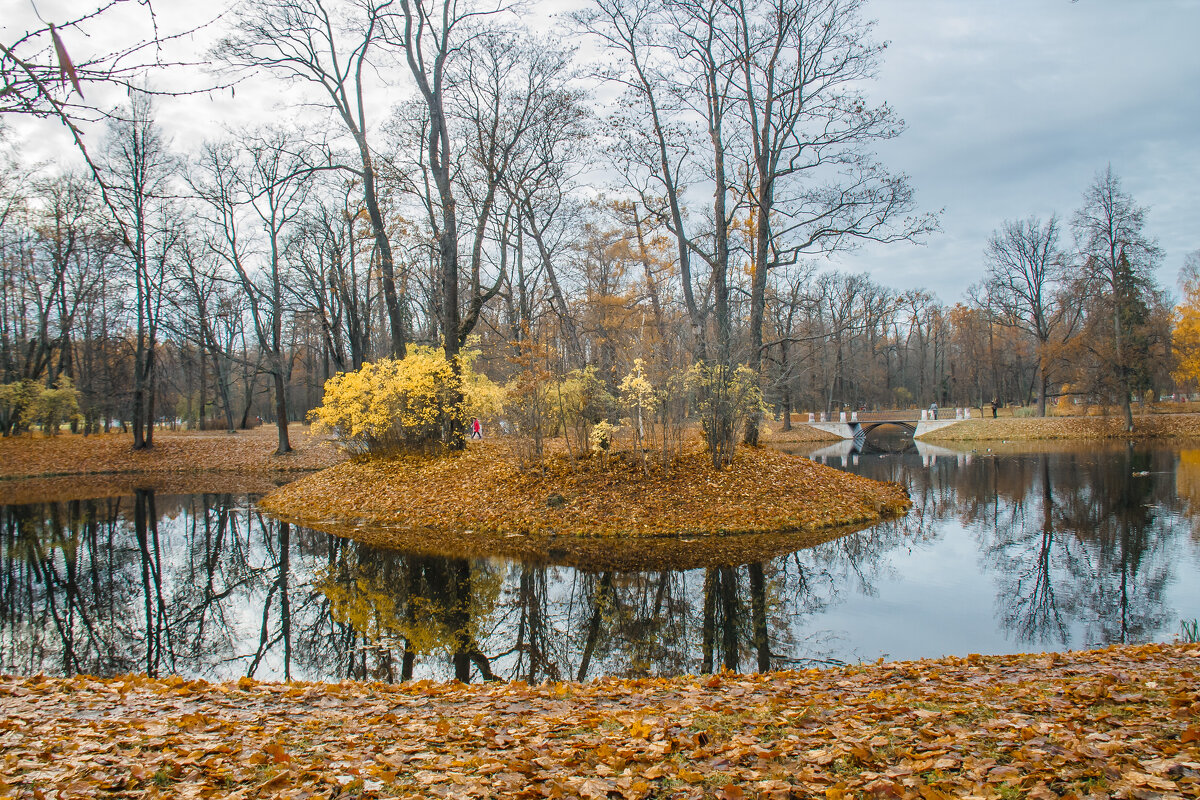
x=387, y=270
x=758, y=616
x=708, y=628
x=1043, y=382
x=281, y=413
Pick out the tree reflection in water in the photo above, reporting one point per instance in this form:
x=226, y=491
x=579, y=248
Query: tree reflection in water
x=1078, y=548
x=1082, y=543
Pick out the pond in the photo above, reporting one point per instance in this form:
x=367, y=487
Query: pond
x=1058, y=548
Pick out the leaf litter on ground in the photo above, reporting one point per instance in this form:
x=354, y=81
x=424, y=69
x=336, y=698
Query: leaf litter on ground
x=1122, y=722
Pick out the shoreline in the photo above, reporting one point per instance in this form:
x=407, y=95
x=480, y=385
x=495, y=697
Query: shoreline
x=252, y=451
x=589, y=553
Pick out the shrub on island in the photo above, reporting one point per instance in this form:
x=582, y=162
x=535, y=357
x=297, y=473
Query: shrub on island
x=416, y=404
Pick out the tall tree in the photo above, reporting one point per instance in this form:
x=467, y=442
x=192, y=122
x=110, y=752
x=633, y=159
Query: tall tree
x=655, y=151
x=137, y=168
x=1186, y=335
x=261, y=177
x=1026, y=273
x=813, y=183
x=682, y=67
x=210, y=311
x=438, y=38
x=1119, y=260
x=329, y=46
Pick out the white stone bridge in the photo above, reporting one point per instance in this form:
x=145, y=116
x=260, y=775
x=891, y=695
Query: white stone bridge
x=857, y=425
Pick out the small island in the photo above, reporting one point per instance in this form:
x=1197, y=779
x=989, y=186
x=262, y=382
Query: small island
x=482, y=496
x=417, y=481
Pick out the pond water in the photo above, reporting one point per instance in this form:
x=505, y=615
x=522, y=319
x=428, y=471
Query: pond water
x=1014, y=552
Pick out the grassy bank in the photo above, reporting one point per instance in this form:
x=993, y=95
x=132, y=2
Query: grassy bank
x=1148, y=426
x=800, y=432
x=483, y=493
x=249, y=451
x=1120, y=722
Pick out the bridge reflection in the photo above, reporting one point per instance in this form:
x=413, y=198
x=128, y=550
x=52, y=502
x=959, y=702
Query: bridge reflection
x=847, y=451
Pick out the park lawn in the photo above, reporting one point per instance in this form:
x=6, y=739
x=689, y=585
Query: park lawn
x=1122, y=722
x=1015, y=429
x=249, y=451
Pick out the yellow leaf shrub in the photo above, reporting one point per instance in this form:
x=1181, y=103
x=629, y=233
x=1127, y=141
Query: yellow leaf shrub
x=415, y=404
x=725, y=397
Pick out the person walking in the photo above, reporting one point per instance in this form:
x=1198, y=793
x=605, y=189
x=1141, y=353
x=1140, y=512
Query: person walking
x=476, y=428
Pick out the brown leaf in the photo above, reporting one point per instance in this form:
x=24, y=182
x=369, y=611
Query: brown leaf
x=277, y=753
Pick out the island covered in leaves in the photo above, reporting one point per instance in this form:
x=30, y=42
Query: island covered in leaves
x=567, y=470
x=482, y=493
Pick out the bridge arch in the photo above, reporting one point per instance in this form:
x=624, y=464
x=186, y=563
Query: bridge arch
x=867, y=427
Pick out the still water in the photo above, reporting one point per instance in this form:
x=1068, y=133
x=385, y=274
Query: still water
x=1012, y=552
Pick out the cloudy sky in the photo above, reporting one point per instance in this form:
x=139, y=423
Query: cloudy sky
x=1012, y=108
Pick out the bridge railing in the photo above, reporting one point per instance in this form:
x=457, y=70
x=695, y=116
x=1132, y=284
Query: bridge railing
x=898, y=415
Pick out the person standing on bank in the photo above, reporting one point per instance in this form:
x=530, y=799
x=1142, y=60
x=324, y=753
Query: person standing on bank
x=933, y=410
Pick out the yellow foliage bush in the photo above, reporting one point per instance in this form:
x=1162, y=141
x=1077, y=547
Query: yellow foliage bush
x=415, y=404
x=726, y=398
x=581, y=401
x=25, y=403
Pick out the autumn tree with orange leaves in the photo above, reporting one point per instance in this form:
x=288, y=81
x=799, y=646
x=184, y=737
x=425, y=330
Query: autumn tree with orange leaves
x=1186, y=338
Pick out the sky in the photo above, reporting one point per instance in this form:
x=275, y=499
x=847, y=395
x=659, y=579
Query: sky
x=1012, y=108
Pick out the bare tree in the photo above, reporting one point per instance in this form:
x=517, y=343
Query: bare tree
x=137, y=170
x=682, y=67
x=509, y=103
x=263, y=178
x=814, y=186
x=39, y=77
x=528, y=128
x=1025, y=285
x=1119, y=259
x=655, y=152
x=212, y=307
x=330, y=46
x=58, y=274
x=434, y=35
x=329, y=255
